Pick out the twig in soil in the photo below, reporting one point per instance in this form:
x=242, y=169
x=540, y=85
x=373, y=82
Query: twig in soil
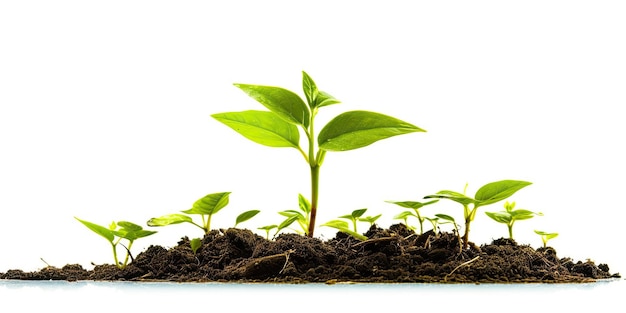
x=445, y=278
x=375, y=240
x=287, y=254
x=42, y=260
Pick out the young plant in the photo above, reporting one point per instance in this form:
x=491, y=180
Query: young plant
x=303, y=217
x=487, y=194
x=370, y=219
x=267, y=230
x=352, y=217
x=545, y=236
x=447, y=219
x=511, y=215
x=205, y=207
x=245, y=216
x=115, y=233
x=278, y=127
x=344, y=227
x=415, y=205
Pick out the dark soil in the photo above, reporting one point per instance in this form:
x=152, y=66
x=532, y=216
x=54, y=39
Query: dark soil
x=390, y=255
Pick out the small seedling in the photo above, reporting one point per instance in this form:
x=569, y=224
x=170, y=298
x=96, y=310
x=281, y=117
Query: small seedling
x=447, y=219
x=245, y=216
x=115, y=233
x=267, y=230
x=344, y=227
x=404, y=216
x=354, y=217
x=370, y=219
x=195, y=244
x=487, y=194
x=278, y=127
x=205, y=207
x=415, y=205
x=545, y=236
x=303, y=216
x=511, y=215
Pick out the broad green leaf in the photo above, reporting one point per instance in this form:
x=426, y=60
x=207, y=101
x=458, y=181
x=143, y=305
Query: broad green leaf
x=246, y=216
x=357, y=129
x=358, y=213
x=129, y=226
x=195, y=244
x=286, y=104
x=337, y=224
x=209, y=204
x=100, y=230
x=500, y=217
x=522, y=214
x=445, y=217
x=404, y=215
x=452, y=195
x=169, y=219
x=546, y=234
x=412, y=204
x=290, y=213
x=286, y=223
x=498, y=191
x=262, y=127
x=134, y=234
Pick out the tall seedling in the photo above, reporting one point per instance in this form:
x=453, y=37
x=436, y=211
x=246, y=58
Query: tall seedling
x=278, y=127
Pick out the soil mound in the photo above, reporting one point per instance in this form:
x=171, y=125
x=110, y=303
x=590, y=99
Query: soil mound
x=389, y=255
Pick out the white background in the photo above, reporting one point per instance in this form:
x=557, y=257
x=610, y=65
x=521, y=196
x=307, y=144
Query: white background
x=105, y=115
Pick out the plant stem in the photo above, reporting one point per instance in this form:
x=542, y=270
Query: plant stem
x=315, y=176
x=117, y=263
x=510, y=231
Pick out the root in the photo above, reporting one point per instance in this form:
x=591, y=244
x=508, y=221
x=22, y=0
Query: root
x=445, y=278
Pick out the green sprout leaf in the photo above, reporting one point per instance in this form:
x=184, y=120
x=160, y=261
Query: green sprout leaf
x=100, y=230
x=344, y=227
x=498, y=191
x=195, y=244
x=246, y=216
x=169, y=219
x=209, y=204
x=262, y=127
x=357, y=129
x=286, y=104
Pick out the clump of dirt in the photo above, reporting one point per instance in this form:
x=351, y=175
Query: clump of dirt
x=389, y=255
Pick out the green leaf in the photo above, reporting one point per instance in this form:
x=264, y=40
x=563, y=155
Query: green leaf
x=344, y=227
x=498, y=191
x=500, y=217
x=100, y=230
x=404, y=215
x=522, y=214
x=324, y=99
x=315, y=97
x=304, y=204
x=129, y=226
x=286, y=104
x=169, y=219
x=246, y=216
x=356, y=129
x=412, y=204
x=262, y=127
x=209, y=204
x=445, y=217
x=195, y=244
x=370, y=219
x=133, y=235
x=452, y=195
x=287, y=222
x=310, y=89
x=358, y=213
